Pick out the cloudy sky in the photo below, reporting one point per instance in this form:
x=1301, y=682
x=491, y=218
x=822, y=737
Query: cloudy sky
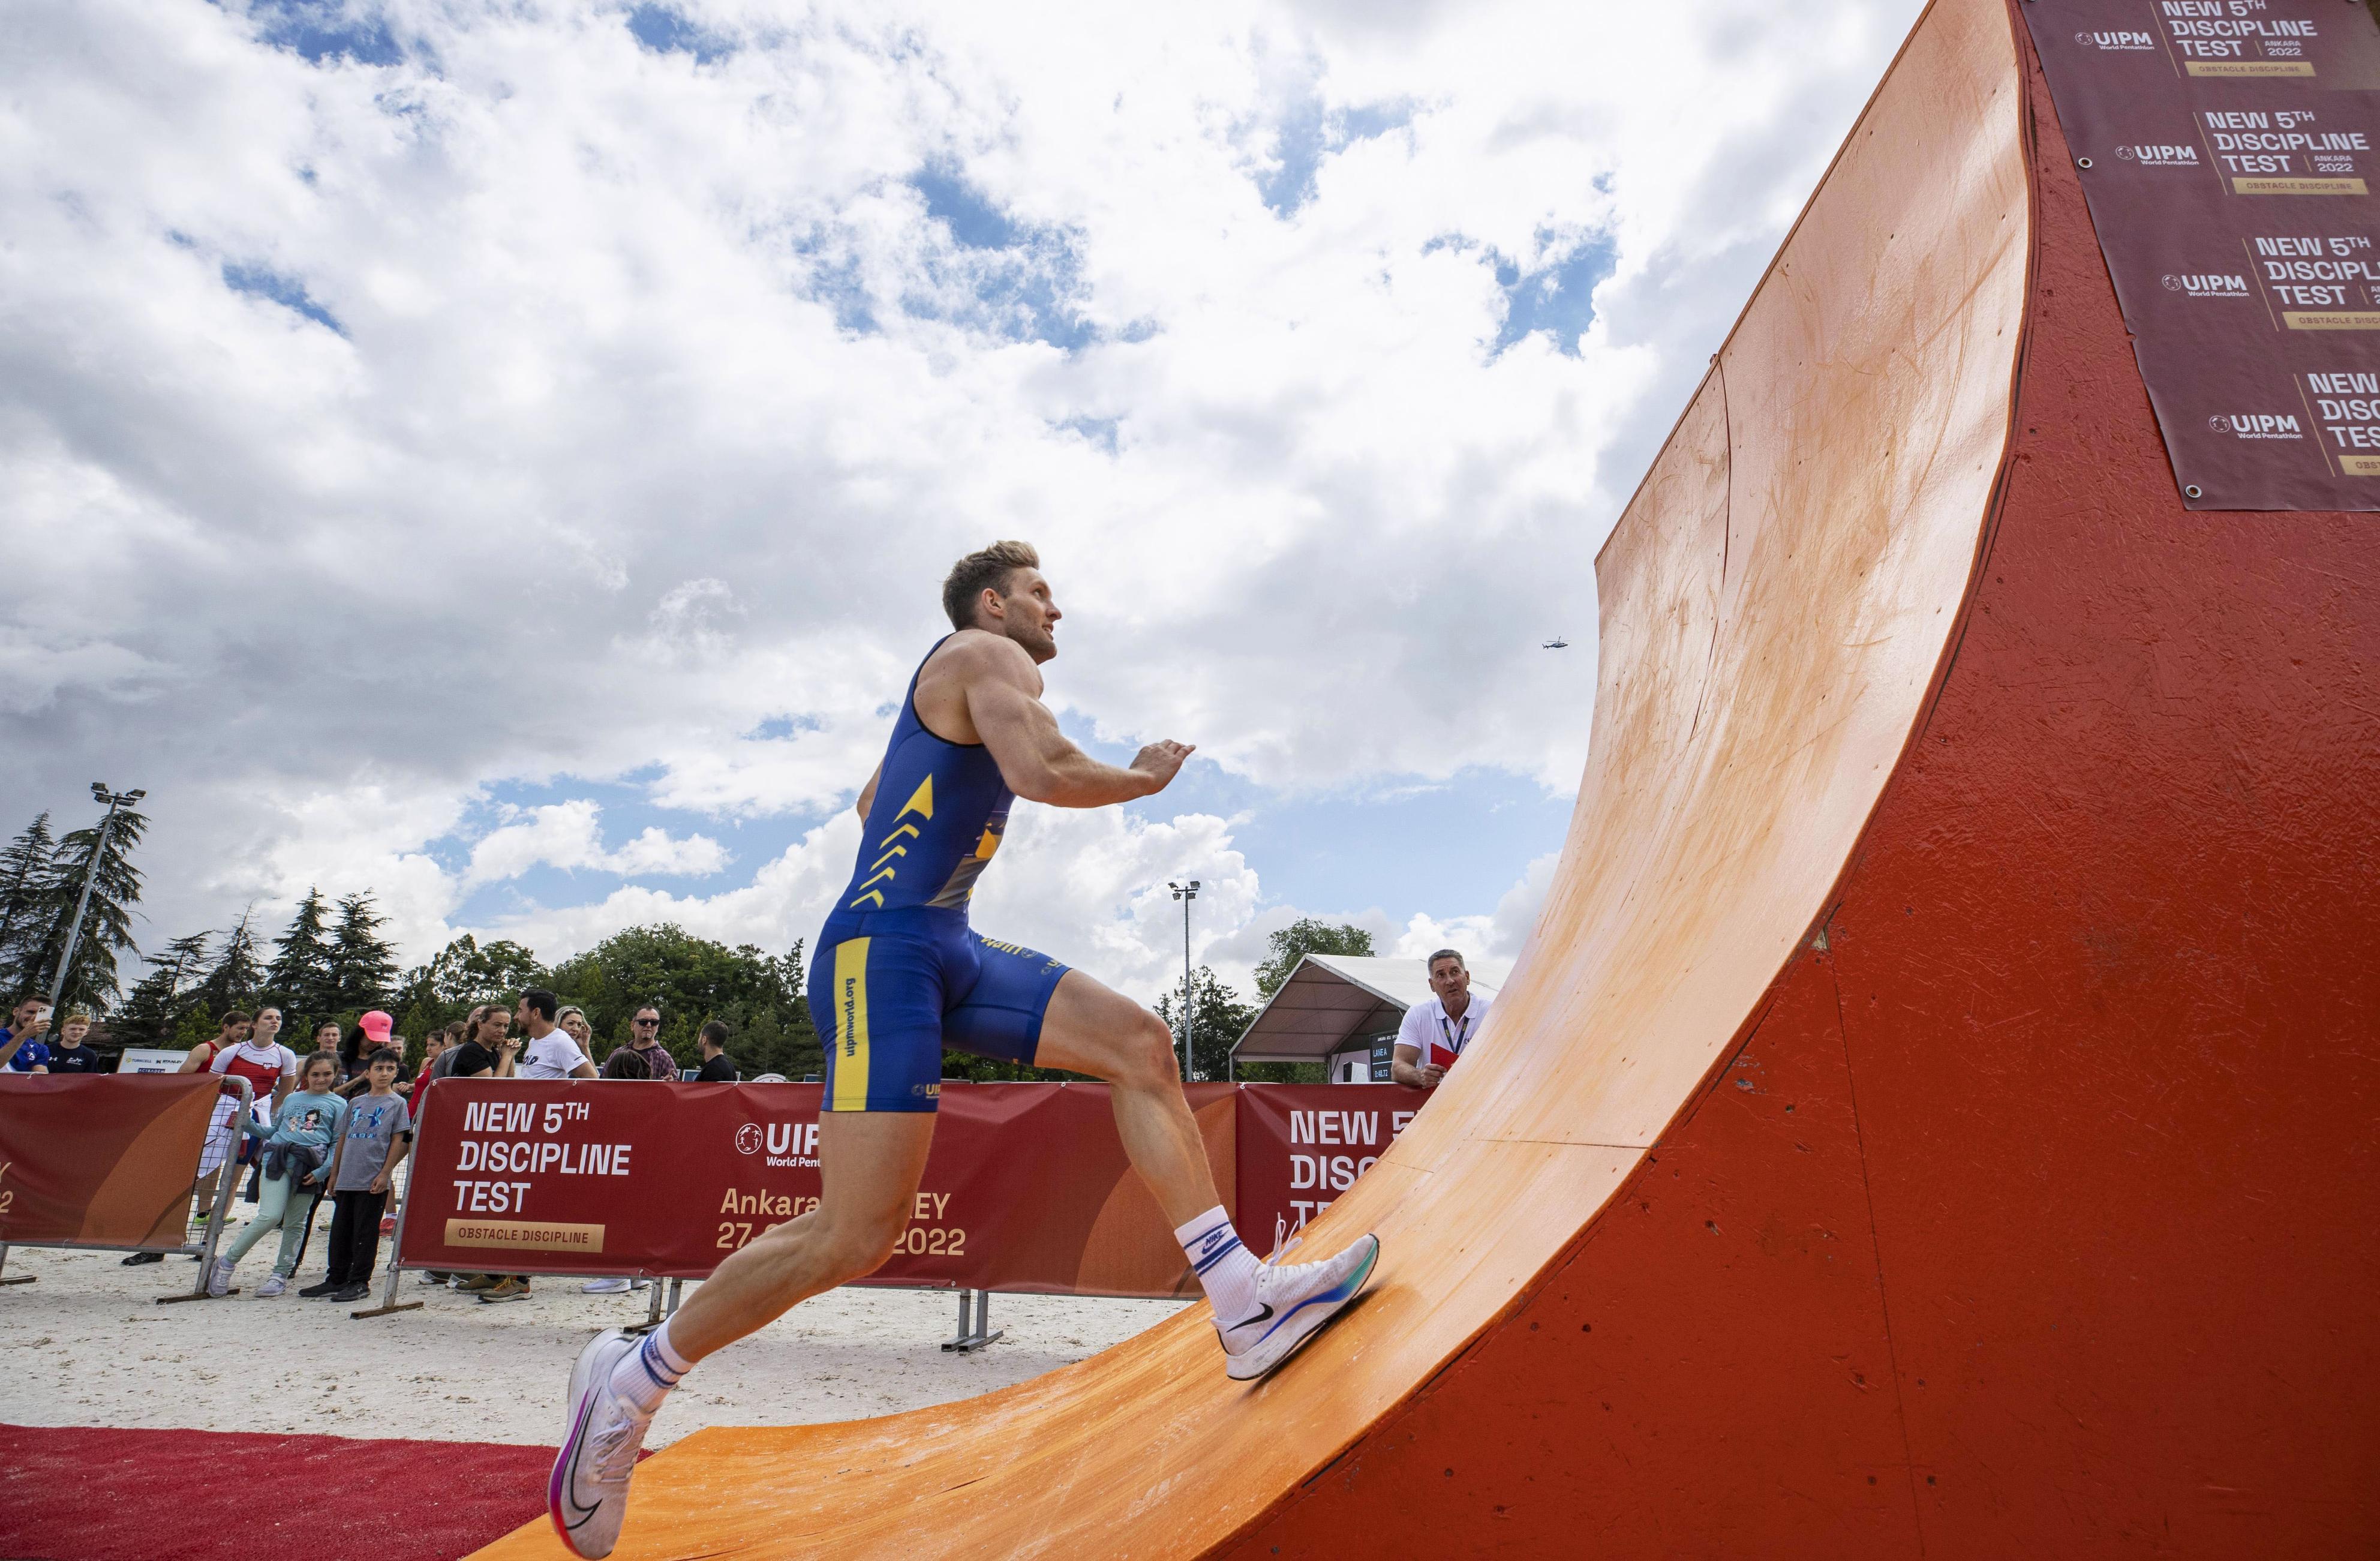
x=502, y=454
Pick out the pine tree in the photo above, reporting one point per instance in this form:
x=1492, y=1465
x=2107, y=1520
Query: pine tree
x=238, y=974
x=26, y=868
x=152, y=1012
x=195, y=1027
x=300, y=974
x=363, y=966
x=107, y=924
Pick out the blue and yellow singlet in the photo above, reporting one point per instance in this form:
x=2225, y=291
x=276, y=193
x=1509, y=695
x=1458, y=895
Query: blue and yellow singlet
x=953, y=809
x=898, y=974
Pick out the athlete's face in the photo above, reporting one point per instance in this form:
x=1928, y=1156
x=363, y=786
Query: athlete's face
x=1028, y=614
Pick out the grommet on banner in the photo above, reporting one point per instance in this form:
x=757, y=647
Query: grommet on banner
x=2081, y=162
x=2192, y=492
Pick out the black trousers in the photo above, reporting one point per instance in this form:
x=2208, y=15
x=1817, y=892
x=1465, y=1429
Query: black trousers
x=355, y=1236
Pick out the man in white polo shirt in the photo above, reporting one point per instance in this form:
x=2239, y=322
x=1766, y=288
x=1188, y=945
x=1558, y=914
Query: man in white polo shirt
x=1435, y=1032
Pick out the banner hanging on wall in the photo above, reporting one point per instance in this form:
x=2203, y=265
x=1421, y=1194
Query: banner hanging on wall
x=2226, y=148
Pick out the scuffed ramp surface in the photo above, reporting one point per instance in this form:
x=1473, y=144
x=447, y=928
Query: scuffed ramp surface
x=1778, y=602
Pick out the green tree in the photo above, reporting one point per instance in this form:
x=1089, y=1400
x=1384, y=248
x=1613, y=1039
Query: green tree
x=1303, y=936
x=153, y=1010
x=301, y=975
x=465, y=972
x=27, y=865
x=362, y=965
x=107, y=924
x=238, y=974
x=1219, y=1019
x=195, y=1026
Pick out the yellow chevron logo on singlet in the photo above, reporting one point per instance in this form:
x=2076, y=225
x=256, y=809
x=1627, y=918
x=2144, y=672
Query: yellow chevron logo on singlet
x=921, y=802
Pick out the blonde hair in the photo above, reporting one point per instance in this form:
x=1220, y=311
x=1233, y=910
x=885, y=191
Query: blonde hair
x=985, y=570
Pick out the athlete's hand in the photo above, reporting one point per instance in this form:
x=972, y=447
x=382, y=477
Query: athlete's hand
x=1162, y=760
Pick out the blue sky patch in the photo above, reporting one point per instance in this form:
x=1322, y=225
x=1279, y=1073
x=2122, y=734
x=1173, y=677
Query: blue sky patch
x=1400, y=845
x=320, y=30
x=1021, y=278
x=1557, y=299
x=1308, y=133
x=666, y=32
x=264, y=282
x=1100, y=432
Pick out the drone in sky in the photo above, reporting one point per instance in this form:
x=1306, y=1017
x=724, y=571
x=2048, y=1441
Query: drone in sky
x=1556, y=643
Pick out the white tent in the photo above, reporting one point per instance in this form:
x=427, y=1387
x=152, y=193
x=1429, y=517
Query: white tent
x=1331, y=1001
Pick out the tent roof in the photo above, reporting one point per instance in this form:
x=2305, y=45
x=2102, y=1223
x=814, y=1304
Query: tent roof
x=1331, y=1000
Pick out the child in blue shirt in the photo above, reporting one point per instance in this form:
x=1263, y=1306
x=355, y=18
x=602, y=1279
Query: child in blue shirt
x=296, y=1156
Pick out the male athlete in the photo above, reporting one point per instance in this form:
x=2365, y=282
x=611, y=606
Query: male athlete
x=896, y=977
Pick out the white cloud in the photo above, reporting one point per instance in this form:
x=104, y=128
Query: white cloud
x=538, y=404
x=569, y=835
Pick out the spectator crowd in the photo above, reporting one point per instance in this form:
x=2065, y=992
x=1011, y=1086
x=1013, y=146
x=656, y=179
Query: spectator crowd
x=336, y=1124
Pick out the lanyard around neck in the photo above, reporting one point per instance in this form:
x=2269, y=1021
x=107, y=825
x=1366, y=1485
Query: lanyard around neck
x=1455, y=1032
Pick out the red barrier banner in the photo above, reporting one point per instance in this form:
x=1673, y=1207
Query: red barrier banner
x=1026, y=1190
x=1302, y=1145
x=101, y=1160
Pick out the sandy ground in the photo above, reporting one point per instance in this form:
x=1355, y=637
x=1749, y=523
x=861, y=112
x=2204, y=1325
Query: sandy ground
x=87, y=1345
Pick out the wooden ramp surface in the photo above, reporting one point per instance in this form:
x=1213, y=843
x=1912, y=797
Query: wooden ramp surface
x=1840, y=1172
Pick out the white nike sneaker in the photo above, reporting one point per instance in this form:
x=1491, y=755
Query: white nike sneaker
x=587, y=1494
x=219, y=1278
x=1292, y=1304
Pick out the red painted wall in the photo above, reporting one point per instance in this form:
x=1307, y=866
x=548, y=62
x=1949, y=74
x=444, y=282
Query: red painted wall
x=2037, y=1215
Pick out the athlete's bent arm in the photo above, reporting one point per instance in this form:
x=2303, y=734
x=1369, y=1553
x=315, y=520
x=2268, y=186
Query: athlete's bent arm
x=1038, y=760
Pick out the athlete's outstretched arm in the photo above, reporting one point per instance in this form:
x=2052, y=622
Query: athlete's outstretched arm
x=1035, y=757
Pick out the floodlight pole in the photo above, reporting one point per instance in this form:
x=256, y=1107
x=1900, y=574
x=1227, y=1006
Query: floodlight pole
x=1185, y=892
x=90, y=870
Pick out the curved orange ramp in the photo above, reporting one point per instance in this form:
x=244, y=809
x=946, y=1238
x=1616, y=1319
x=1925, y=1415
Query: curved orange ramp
x=1933, y=1114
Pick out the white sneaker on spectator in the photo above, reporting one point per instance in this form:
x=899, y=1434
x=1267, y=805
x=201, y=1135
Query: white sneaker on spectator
x=272, y=1287
x=604, y=1287
x=1293, y=1303
x=219, y=1278
x=587, y=1495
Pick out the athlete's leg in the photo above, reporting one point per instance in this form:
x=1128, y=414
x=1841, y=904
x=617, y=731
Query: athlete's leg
x=1090, y=1029
x=869, y=1163
x=868, y=1166
x=1263, y=1312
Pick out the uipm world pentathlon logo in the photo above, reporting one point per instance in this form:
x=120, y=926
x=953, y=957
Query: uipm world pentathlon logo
x=748, y=1138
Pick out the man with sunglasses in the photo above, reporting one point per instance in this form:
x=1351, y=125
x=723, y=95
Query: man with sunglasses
x=644, y=1040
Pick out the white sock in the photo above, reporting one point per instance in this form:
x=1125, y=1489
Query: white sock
x=1223, y=1262
x=646, y=1373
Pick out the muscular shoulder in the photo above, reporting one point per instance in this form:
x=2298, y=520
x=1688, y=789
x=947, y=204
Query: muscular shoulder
x=974, y=656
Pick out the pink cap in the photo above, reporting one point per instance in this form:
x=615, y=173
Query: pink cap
x=376, y=1024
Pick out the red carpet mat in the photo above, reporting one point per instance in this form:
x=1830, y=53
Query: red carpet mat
x=82, y=1495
